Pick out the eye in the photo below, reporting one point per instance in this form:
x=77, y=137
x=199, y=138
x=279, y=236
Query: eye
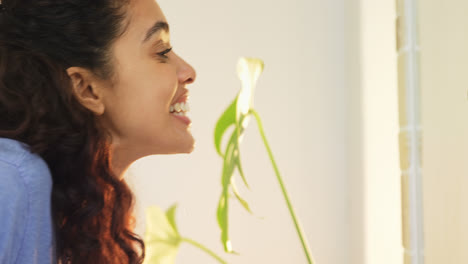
x=163, y=54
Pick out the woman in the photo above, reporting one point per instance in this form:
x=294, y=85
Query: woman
x=86, y=88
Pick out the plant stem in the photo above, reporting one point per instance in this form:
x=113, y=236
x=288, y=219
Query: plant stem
x=285, y=193
x=200, y=246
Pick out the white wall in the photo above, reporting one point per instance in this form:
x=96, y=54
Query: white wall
x=372, y=139
x=301, y=99
x=380, y=132
x=354, y=132
x=444, y=83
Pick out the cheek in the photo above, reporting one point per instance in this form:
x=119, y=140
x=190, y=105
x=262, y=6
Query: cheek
x=142, y=109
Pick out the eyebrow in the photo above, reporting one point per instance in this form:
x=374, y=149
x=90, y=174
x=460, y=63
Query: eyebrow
x=158, y=26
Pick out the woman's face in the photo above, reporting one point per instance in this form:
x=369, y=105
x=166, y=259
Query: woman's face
x=137, y=106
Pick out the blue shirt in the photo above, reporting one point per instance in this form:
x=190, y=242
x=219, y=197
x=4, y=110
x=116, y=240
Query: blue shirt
x=26, y=230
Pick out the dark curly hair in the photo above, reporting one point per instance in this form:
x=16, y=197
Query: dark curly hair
x=39, y=39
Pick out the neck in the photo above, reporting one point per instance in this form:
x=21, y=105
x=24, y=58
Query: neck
x=121, y=159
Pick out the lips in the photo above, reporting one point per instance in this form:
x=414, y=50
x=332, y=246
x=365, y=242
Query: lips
x=184, y=119
x=182, y=98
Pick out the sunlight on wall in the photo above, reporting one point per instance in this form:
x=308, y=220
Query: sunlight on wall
x=382, y=201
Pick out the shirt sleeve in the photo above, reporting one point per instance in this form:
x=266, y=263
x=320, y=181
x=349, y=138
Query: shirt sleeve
x=13, y=212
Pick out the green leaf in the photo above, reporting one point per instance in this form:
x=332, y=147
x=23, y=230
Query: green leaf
x=229, y=162
x=239, y=168
x=170, y=213
x=222, y=212
x=223, y=221
x=239, y=198
x=161, y=239
x=227, y=119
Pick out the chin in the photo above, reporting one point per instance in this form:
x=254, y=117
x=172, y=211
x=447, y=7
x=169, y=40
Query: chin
x=187, y=148
x=182, y=151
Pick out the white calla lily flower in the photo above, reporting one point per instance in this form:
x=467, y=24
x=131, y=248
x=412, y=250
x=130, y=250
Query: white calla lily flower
x=248, y=71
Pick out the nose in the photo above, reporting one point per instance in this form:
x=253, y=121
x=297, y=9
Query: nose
x=185, y=72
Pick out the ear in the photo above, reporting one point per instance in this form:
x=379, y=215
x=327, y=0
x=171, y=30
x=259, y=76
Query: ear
x=86, y=89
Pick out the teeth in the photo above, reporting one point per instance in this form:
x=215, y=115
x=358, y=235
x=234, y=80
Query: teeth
x=179, y=107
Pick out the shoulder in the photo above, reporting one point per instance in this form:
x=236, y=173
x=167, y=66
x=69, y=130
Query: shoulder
x=22, y=171
x=12, y=188
x=11, y=183
x=25, y=208
x=12, y=151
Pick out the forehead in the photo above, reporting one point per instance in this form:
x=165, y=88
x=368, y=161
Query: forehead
x=143, y=14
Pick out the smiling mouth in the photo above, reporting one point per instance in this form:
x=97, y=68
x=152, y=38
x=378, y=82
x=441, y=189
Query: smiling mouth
x=180, y=108
x=179, y=111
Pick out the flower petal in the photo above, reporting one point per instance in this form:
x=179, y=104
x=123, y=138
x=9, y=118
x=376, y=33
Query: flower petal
x=248, y=71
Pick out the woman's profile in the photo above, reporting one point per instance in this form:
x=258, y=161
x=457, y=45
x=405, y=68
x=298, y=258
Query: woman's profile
x=86, y=88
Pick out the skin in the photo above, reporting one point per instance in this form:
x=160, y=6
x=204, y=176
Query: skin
x=134, y=105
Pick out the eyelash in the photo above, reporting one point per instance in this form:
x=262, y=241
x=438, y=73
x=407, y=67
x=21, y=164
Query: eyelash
x=163, y=54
